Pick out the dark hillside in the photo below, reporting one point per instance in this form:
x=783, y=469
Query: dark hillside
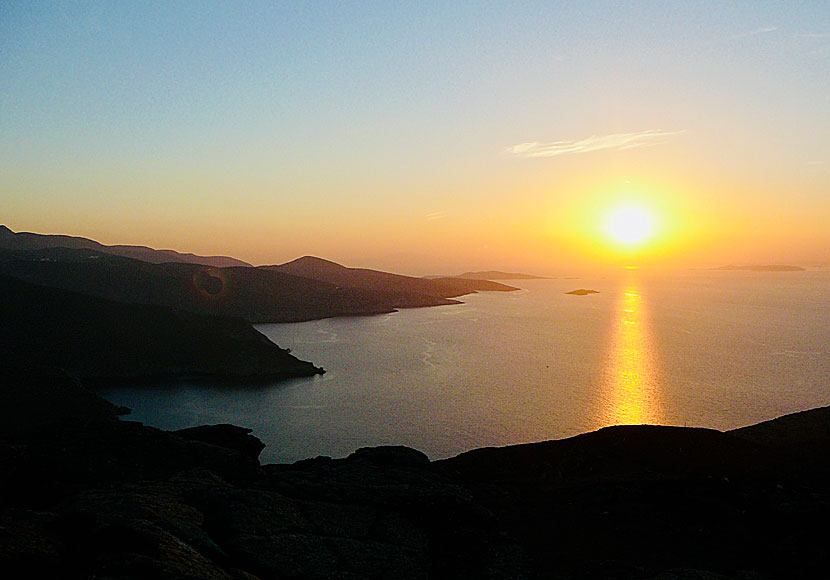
x=327, y=271
x=95, y=338
x=255, y=294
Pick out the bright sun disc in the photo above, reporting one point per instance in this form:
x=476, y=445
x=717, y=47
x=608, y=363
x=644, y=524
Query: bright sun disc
x=629, y=225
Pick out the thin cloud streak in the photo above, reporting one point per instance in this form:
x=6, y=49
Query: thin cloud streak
x=615, y=141
x=756, y=32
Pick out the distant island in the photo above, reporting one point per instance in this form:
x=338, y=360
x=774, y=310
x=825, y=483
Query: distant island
x=582, y=292
x=499, y=275
x=763, y=268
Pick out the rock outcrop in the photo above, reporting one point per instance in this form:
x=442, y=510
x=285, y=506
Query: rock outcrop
x=582, y=292
x=88, y=495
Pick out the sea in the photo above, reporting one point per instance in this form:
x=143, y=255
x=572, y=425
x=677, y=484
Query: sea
x=705, y=348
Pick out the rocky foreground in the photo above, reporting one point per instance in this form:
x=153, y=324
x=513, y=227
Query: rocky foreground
x=85, y=495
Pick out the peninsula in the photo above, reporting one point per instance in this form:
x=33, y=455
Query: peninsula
x=308, y=288
x=118, y=312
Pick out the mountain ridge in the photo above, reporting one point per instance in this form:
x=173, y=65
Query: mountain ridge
x=257, y=294
x=334, y=273
x=12, y=240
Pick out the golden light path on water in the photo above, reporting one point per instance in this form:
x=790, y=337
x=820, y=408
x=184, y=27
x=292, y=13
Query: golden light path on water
x=631, y=393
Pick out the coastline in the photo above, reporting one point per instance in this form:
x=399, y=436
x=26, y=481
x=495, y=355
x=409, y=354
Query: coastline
x=87, y=493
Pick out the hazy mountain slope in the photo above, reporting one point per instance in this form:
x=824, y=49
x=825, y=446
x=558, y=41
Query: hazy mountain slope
x=91, y=337
x=325, y=270
x=29, y=241
x=255, y=294
x=498, y=275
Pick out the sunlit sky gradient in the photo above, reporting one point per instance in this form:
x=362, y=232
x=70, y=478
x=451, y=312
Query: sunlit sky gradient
x=421, y=137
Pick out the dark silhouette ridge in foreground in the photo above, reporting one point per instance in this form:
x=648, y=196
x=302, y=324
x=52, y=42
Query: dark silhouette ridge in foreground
x=86, y=495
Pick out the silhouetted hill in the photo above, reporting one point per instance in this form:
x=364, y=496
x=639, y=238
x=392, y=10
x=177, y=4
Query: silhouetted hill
x=404, y=286
x=498, y=275
x=91, y=496
x=28, y=241
x=305, y=289
x=663, y=502
x=793, y=429
x=94, y=338
x=255, y=294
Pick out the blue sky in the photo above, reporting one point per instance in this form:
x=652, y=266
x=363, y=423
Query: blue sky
x=270, y=130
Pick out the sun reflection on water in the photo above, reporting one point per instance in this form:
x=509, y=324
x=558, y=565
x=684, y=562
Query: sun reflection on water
x=631, y=392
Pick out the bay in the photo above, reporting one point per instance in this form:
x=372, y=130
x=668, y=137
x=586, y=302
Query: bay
x=717, y=349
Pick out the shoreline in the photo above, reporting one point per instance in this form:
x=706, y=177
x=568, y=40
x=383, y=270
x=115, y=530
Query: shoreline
x=86, y=492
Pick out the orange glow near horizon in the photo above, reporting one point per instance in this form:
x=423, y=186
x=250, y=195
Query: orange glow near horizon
x=630, y=393
x=631, y=222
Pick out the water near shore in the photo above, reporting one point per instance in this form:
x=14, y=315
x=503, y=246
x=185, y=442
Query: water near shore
x=714, y=349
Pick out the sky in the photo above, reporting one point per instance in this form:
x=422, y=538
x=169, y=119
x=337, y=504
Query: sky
x=422, y=137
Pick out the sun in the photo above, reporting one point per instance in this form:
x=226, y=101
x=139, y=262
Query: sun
x=629, y=225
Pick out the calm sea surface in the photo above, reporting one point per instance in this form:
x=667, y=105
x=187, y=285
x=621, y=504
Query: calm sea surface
x=713, y=349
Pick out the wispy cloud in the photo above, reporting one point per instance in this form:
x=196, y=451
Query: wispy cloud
x=818, y=41
x=756, y=32
x=618, y=141
x=436, y=215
